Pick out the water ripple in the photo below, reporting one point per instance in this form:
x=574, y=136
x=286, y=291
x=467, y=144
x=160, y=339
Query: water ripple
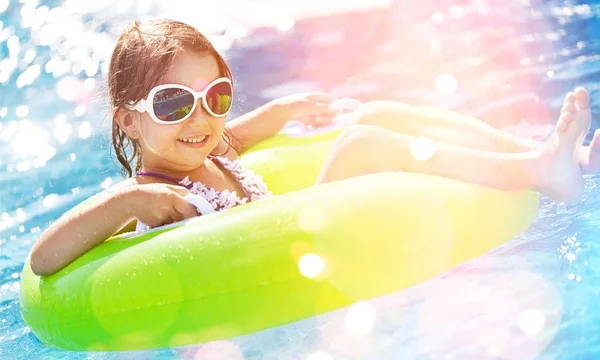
x=510, y=63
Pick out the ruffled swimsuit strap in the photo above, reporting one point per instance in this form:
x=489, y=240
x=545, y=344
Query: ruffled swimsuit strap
x=163, y=176
x=235, y=176
x=190, y=185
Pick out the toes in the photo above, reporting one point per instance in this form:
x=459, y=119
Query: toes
x=582, y=98
x=595, y=143
x=570, y=98
x=561, y=125
x=568, y=108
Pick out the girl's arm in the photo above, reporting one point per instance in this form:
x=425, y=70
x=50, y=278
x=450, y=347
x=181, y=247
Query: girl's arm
x=267, y=120
x=258, y=125
x=113, y=212
x=76, y=233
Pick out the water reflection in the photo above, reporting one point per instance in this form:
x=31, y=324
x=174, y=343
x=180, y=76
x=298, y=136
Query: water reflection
x=511, y=63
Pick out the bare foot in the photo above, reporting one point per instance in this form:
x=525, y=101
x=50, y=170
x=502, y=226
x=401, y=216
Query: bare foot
x=561, y=177
x=589, y=157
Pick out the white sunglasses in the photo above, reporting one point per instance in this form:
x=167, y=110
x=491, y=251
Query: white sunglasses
x=175, y=103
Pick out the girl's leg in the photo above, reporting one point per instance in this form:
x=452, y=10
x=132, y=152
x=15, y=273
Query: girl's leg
x=552, y=169
x=364, y=149
x=453, y=128
x=443, y=126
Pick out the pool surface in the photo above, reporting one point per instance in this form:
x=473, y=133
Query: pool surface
x=508, y=62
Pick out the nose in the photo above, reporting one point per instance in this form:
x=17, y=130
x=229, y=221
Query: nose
x=199, y=116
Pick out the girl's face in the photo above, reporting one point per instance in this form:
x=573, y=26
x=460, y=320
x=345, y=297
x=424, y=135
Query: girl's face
x=164, y=146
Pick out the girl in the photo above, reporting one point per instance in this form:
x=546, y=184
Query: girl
x=170, y=92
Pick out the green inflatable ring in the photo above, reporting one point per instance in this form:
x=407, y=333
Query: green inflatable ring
x=240, y=271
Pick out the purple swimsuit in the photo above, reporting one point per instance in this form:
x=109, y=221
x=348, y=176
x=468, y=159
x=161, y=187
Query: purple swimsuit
x=252, y=184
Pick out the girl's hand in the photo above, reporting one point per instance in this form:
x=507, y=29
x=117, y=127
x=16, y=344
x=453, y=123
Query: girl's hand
x=310, y=108
x=159, y=204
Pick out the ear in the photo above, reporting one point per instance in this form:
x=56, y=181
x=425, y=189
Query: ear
x=127, y=123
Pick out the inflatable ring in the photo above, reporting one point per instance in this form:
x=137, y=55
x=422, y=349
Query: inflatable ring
x=304, y=252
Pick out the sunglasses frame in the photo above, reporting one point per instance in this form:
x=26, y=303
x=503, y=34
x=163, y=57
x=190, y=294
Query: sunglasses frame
x=142, y=105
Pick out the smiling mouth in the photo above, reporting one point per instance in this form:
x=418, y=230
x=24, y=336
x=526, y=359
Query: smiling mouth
x=194, y=140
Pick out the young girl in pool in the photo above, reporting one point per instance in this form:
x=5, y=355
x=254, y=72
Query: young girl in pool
x=170, y=92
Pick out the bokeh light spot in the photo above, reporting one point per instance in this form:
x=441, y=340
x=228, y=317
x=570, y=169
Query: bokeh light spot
x=219, y=350
x=311, y=265
x=22, y=110
x=360, y=319
x=532, y=322
x=422, y=149
x=311, y=219
x=85, y=130
x=446, y=84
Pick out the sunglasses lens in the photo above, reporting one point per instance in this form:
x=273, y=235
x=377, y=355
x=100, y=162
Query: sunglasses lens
x=219, y=98
x=172, y=104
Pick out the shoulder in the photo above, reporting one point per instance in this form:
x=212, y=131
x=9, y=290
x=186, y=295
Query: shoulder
x=224, y=150
x=124, y=184
x=142, y=180
x=116, y=188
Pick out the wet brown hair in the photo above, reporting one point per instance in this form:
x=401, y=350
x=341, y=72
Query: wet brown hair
x=141, y=58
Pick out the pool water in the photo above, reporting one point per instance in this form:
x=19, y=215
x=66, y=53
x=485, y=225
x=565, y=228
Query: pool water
x=509, y=62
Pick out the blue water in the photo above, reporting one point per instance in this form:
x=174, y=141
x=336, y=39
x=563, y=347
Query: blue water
x=510, y=62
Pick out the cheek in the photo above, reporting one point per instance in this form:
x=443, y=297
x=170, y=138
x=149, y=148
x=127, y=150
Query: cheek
x=162, y=139
x=217, y=125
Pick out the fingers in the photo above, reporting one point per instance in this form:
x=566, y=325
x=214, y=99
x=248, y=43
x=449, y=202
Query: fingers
x=318, y=120
x=315, y=107
x=184, y=209
x=320, y=97
x=315, y=113
x=173, y=217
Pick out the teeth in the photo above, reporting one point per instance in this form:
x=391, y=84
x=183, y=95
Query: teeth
x=193, y=140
